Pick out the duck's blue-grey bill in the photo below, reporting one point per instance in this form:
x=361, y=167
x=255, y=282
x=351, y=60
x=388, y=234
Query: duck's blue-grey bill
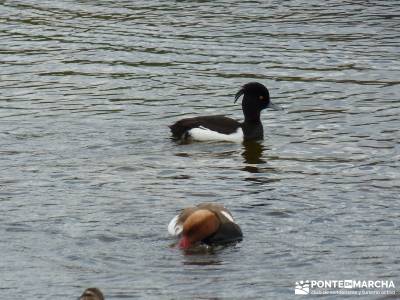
x=274, y=106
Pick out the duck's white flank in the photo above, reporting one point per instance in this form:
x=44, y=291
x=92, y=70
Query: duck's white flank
x=173, y=227
x=203, y=134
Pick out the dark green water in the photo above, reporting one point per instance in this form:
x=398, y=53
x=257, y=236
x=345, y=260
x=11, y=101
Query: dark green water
x=89, y=177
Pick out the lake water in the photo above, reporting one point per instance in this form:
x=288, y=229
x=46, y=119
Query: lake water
x=89, y=177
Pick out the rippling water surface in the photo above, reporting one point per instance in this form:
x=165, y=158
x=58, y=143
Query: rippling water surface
x=89, y=176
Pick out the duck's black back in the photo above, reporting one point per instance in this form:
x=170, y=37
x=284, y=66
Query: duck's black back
x=227, y=232
x=219, y=124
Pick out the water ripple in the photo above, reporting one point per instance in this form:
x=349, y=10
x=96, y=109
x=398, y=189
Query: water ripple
x=90, y=177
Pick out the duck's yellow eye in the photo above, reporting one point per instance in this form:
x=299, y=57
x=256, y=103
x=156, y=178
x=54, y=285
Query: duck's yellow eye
x=261, y=98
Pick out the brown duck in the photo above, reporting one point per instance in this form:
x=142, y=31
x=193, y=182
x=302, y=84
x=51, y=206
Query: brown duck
x=92, y=294
x=207, y=223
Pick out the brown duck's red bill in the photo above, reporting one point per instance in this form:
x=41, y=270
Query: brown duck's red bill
x=184, y=243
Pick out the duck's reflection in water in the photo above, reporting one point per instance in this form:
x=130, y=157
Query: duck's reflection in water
x=254, y=163
x=252, y=154
x=202, y=254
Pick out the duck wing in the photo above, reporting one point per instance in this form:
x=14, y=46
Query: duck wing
x=220, y=124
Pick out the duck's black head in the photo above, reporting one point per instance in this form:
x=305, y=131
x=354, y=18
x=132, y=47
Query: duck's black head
x=255, y=99
x=256, y=93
